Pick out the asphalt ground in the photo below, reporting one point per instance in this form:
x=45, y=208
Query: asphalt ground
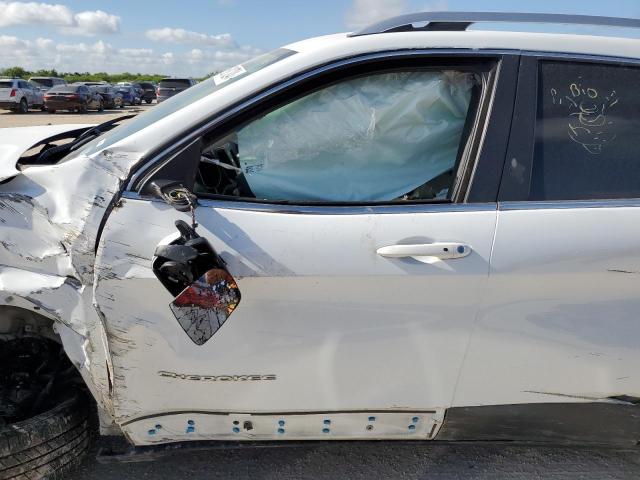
x=346, y=460
x=376, y=460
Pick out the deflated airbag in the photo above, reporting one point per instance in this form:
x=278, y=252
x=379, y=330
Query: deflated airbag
x=372, y=138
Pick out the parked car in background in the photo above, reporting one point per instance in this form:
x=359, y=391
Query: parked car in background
x=137, y=91
x=128, y=94
x=18, y=95
x=75, y=97
x=168, y=87
x=149, y=91
x=38, y=94
x=45, y=83
x=118, y=99
x=109, y=95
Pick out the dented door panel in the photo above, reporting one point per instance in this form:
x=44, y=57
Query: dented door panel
x=325, y=324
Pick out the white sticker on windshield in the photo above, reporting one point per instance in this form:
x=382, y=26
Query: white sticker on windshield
x=228, y=74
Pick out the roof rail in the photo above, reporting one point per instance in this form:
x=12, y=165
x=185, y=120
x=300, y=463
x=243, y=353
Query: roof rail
x=459, y=21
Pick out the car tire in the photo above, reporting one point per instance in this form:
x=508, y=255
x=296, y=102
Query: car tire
x=43, y=108
x=148, y=100
x=51, y=110
x=24, y=106
x=48, y=445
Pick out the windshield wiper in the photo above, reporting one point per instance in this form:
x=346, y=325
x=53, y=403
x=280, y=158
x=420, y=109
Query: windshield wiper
x=83, y=138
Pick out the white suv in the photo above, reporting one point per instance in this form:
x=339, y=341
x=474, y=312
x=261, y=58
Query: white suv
x=421, y=230
x=19, y=95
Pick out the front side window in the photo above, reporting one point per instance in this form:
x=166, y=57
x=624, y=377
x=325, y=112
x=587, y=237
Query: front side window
x=586, y=132
x=376, y=138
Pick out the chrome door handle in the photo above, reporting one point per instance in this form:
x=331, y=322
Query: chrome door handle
x=426, y=252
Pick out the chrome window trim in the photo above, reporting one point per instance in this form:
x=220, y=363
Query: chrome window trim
x=568, y=204
x=145, y=168
x=330, y=209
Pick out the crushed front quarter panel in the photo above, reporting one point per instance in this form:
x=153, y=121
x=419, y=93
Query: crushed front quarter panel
x=50, y=217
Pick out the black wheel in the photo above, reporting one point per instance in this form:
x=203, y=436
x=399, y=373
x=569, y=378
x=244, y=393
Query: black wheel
x=148, y=100
x=44, y=416
x=51, y=110
x=24, y=106
x=46, y=446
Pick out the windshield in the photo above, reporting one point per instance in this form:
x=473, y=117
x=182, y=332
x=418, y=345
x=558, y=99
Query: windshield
x=183, y=99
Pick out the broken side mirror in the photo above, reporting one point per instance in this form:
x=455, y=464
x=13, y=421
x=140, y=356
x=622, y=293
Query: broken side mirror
x=205, y=292
x=173, y=193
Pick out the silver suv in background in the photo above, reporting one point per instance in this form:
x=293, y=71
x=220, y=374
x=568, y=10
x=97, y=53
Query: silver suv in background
x=45, y=83
x=168, y=87
x=19, y=95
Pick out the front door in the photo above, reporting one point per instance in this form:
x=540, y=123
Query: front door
x=339, y=215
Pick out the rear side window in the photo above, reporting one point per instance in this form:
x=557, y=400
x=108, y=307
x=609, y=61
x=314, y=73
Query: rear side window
x=586, y=132
x=6, y=84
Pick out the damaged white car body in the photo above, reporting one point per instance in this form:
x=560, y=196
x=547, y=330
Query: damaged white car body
x=362, y=315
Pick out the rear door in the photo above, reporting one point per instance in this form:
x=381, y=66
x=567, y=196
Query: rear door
x=560, y=322
x=359, y=239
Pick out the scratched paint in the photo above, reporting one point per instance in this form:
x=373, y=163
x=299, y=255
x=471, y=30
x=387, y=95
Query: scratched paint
x=589, y=122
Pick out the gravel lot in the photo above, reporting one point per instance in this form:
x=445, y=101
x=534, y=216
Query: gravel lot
x=342, y=460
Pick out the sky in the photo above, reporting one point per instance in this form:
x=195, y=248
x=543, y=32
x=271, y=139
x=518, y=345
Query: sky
x=196, y=37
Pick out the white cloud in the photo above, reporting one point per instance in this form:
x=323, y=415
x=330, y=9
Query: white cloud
x=101, y=56
x=365, y=12
x=93, y=23
x=30, y=13
x=13, y=43
x=83, y=23
x=186, y=37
